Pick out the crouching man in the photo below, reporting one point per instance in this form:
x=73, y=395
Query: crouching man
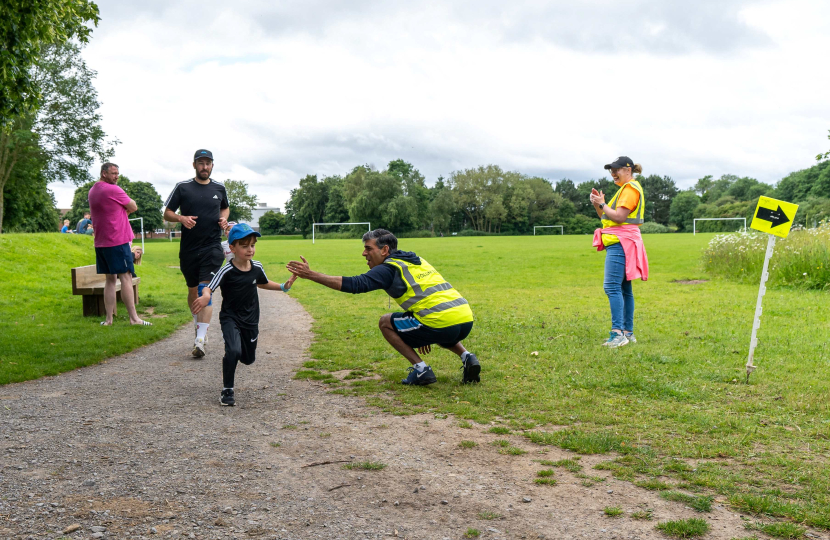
x=434, y=313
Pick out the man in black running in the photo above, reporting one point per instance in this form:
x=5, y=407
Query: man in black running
x=204, y=215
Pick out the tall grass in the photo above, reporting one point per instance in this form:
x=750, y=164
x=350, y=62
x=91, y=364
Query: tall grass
x=801, y=260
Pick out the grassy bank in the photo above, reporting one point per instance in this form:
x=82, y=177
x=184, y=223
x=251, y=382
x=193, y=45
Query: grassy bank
x=42, y=330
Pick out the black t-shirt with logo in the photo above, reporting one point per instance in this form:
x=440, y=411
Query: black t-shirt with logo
x=240, y=298
x=204, y=201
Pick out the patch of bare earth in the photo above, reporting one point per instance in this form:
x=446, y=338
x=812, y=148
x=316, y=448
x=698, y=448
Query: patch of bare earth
x=139, y=447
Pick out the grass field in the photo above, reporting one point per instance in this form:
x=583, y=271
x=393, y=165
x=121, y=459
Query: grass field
x=673, y=406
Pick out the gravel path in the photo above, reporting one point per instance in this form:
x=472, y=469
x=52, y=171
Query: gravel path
x=138, y=447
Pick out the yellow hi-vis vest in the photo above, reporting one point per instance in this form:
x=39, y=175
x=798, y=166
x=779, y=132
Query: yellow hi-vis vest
x=429, y=297
x=636, y=215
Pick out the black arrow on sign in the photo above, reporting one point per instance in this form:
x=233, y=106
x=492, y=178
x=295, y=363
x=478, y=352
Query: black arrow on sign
x=776, y=217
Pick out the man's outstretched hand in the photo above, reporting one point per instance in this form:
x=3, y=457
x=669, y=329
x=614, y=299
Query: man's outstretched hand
x=299, y=269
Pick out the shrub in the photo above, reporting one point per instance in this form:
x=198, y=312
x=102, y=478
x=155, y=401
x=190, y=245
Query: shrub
x=653, y=227
x=472, y=232
x=416, y=234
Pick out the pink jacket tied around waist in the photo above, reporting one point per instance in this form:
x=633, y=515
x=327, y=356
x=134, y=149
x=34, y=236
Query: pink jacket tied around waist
x=636, y=260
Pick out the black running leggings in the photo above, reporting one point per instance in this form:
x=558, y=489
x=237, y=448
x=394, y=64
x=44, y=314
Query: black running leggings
x=240, y=346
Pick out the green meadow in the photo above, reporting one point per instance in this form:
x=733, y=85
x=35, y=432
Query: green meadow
x=673, y=409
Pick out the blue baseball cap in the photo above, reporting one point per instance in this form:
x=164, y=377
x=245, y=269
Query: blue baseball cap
x=240, y=231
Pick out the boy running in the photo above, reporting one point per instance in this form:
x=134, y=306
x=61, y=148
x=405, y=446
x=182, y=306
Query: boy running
x=239, y=317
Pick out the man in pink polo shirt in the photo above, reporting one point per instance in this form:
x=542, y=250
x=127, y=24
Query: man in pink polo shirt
x=109, y=206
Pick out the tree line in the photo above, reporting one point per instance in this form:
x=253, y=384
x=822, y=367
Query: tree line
x=733, y=196
x=490, y=200
x=482, y=200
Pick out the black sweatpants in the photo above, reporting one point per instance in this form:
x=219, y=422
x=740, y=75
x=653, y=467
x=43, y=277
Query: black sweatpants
x=240, y=346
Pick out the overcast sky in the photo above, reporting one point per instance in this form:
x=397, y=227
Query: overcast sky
x=278, y=90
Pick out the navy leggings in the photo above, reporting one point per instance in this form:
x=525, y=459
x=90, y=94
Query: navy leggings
x=240, y=346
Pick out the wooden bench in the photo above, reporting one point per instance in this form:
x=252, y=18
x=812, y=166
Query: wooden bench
x=89, y=284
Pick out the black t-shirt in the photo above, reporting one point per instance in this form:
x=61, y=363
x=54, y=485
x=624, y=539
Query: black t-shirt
x=204, y=201
x=240, y=299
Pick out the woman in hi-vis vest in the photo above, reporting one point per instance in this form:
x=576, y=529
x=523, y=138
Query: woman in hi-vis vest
x=625, y=258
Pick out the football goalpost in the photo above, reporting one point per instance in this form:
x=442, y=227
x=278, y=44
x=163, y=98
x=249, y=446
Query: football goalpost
x=142, y=230
x=561, y=228
x=694, y=221
x=314, y=225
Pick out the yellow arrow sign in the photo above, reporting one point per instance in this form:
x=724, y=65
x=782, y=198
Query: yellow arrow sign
x=774, y=217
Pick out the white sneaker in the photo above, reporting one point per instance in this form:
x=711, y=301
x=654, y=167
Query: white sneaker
x=198, y=348
x=615, y=340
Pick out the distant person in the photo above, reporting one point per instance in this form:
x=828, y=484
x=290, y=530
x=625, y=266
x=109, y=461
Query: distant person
x=239, y=318
x=434, y=313
x=204, y=214
x=625, y=258
x=65, y=229
x=109, y=206
x=84, y=225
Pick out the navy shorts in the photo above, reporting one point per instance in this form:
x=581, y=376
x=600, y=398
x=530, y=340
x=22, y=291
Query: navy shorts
x=201, y=265
x=114, y=260
x=415, y=334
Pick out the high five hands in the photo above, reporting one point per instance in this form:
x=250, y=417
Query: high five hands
x=299, y=269
x=287, y=285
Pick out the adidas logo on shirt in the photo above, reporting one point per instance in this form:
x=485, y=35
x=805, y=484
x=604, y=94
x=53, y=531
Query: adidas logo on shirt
x=215, y=196
x=254, y=282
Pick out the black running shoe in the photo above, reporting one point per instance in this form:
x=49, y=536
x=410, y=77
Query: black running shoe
x=227, y=398
x=471, y=369
x=420, y=378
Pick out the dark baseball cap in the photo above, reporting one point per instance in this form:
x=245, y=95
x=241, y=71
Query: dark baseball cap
x=203, y=153
x=622, y=161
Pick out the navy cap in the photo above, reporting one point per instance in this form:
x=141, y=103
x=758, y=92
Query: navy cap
x=622, y=161
x=240, y=231
x=203, y=153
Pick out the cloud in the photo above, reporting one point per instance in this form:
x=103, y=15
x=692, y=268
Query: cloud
x=278, y=90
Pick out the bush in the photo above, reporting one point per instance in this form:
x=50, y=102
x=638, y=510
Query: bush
x=471, y=232
x=653, y=227
x=415, y=234
x=800, y=260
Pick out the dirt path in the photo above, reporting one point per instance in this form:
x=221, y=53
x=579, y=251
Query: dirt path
x=138, y=447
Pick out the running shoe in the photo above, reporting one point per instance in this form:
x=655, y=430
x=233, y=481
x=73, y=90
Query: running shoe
x=630, y=337
x=615, y=340
x=471, y=369
x=198, y=348
x=227, y=398
x=420, y=378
